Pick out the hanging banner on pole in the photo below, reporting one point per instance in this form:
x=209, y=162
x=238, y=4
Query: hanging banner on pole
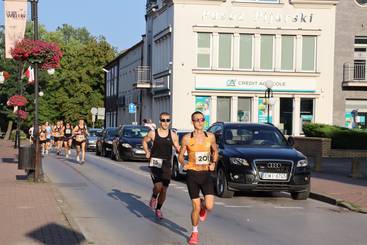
x=15, y=13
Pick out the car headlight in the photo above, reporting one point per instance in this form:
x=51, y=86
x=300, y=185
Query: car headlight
x=126, y=145
x=109, y=142
x=302, y=163
x=239, y=161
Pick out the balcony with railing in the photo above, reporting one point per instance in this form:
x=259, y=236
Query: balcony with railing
x=355, y=74
x=143, y=77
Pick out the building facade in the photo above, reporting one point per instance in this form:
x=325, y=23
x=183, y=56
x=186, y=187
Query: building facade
x=350, y=88
x=122, y=74
x=216, y=56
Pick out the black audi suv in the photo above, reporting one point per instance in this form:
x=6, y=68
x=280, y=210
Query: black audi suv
x=257, y=157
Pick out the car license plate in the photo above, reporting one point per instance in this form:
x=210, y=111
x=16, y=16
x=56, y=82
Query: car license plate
x=274, y=176
x=139, y=151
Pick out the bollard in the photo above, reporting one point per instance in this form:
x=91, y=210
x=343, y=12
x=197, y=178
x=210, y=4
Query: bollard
x=317, y=164
x=356, y=169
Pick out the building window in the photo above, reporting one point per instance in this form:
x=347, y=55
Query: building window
x=361, y=2
x=204, y=47
x=287, y=58
x=266, y=55
x=225, y=51
x=307, y=111
x=244, y=110
x=246, y=51
x=308, y=53
x=224, y=109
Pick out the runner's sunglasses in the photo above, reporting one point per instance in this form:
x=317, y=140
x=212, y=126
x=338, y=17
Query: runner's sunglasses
x=165, y=120
x=199, y=120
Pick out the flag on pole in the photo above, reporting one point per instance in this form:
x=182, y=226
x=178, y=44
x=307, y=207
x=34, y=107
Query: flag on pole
x=29, y=73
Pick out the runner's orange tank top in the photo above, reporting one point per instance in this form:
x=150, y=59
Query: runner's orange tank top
x=199, y=154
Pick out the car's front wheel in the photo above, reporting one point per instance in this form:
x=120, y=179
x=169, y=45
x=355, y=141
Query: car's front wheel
x=222, y=184
x=302, y=195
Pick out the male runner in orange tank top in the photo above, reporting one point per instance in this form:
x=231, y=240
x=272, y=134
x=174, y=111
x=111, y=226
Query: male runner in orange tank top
x=203, y=155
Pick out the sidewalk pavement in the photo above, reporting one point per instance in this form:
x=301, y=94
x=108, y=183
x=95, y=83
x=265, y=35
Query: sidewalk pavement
x=30, y=212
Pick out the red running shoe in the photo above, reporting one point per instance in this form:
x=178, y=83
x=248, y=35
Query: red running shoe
x=153, y=202
x=194, y=238
x=159, y=214
x=203, y=212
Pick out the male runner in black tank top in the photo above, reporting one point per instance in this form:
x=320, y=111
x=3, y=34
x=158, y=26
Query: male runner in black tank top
x=160, y=158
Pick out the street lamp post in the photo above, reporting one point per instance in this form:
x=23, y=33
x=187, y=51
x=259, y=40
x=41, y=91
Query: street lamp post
x=269, y=97
x=38, y=175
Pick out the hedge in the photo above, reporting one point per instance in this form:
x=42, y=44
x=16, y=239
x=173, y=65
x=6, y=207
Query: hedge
x=22, y=135
x=341, y=138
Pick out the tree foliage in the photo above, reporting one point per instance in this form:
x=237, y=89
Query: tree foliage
x=76, y=87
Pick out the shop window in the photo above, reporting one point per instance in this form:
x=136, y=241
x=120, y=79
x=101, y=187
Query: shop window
x=224, y=109
x=308, y=53
x=225, y=51
x=203, y=52
x=267, y=48
x=246, y=42
x=287, y=58
x=244, y=110
x=306, y=114
x=355, y=113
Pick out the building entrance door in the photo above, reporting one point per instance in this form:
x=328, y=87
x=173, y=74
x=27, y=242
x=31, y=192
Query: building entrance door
x=286, y=115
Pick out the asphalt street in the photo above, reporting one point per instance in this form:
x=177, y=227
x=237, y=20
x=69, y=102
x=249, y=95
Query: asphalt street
x=109, y=202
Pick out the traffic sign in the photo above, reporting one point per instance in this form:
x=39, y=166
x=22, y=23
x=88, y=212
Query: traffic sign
x=132, y=108
x=94, y=110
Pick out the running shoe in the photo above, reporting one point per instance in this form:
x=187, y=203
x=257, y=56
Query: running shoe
x=194, y=238
x=82, y=162
x=153, y=202
x=58, y=153
x=67, y=155
x=159, y=214
x=69, y=152
x=203, y=213
x=77, y=159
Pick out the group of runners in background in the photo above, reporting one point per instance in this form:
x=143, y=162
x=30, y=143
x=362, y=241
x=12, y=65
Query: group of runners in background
x=60, y=137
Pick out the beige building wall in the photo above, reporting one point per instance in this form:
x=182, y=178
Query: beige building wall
x=190, y=17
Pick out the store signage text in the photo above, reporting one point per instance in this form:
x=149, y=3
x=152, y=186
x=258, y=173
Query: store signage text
x=259, y=16
x=253, y=83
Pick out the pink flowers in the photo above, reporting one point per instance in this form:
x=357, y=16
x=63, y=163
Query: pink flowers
x=48, y=55
x=22, y=114
x=17, y=100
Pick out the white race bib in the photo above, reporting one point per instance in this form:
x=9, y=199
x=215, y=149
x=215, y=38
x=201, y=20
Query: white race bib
x=68, y=131
x=156, y=162
x=202, y=158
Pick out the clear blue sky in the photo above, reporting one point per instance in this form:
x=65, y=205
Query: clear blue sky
x=120, y=21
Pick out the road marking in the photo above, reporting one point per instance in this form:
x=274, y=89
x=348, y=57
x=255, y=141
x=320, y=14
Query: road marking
x=179, y=187
x=280, y=207
x=236, y=206
x=219, y=203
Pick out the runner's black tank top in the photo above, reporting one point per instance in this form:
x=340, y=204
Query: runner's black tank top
x=162, y=147
x=68, y=132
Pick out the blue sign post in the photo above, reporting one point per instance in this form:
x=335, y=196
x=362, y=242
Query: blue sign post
x=132, y=110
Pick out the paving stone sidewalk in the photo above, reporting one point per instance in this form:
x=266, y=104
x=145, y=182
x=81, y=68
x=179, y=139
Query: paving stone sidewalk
x=29, y=211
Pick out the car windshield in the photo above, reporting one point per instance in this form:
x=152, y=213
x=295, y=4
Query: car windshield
x=253, y=136
x=112, y=132
x=136, y=132
x=93, y=133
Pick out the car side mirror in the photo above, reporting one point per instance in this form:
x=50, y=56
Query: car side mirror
x=290, y=141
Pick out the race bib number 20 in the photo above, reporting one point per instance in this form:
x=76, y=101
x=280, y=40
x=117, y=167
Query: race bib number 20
x=202, y=158
x=156, y=162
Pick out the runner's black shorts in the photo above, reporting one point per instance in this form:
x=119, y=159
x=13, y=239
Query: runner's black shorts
x=199, y=181
x=56, y=139
x=163, y=174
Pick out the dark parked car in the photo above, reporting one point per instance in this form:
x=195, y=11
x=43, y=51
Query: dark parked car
x=92, y=138
x=258, y=157
x=104, y=141
x=177, y=169
x=128, y=145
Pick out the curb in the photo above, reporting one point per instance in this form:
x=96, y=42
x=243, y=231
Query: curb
x=337, y=202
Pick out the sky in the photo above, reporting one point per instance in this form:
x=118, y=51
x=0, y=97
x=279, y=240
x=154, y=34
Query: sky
x=121, y=22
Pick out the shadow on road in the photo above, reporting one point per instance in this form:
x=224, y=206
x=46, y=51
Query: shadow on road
x=141, y=210
x=56, y=234
x=9, y=160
